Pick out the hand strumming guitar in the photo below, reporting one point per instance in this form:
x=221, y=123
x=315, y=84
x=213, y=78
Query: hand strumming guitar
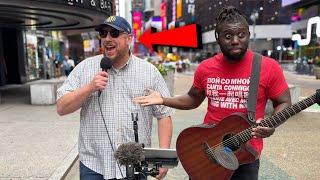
x=153, y=98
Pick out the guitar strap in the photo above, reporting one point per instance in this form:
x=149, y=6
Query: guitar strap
x=253, y=87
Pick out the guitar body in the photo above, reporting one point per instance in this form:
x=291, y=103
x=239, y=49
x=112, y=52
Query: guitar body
x=215, y=152
x=191, y=151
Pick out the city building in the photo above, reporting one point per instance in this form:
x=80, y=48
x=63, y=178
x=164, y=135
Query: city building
x=36, y=33
x=303, y=11
x=306, y=35
x=269, y=25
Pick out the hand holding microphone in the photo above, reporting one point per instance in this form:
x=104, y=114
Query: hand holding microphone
x=100, y=80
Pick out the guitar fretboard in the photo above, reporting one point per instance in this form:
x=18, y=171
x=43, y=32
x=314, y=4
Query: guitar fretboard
x=274, y=121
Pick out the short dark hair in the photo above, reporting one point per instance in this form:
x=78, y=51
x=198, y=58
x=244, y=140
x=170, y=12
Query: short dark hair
x=230, y=14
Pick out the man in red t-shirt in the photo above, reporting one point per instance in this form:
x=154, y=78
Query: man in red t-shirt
x=224, y=80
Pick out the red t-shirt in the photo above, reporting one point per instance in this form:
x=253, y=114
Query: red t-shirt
x=227, y=86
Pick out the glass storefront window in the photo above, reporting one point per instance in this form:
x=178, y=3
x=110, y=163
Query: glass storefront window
x=91, y=44
x=32, y=65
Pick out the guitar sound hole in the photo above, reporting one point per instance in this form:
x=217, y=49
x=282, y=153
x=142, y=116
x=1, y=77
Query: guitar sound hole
x=231, y=142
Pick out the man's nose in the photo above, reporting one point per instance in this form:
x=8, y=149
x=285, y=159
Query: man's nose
x=108, y=36
x=105, y=41
x=235, y=40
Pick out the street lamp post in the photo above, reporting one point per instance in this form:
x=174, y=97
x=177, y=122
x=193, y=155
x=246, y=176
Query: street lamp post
x=254, y=16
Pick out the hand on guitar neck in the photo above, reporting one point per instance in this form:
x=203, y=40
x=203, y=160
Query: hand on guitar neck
x=262, y=132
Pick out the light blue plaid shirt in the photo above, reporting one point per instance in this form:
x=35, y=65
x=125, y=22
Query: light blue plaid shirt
x=116, y=103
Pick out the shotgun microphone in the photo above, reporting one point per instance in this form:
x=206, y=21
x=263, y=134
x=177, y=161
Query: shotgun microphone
x=129, y=154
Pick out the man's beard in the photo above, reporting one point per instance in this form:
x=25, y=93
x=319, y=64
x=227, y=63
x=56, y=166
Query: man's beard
x=119, y=55
x=234, y=57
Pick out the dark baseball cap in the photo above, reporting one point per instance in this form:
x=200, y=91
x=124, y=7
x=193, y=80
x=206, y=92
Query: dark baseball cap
x=116, y=22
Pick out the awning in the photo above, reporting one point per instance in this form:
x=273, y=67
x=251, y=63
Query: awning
x=54, y=14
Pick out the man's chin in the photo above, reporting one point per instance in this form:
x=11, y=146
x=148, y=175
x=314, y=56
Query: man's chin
x=236, y=56
x=111, y=57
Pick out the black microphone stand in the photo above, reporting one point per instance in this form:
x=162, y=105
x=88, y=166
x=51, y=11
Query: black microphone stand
x=137, y=167
x=140, y=171
x=135, y=126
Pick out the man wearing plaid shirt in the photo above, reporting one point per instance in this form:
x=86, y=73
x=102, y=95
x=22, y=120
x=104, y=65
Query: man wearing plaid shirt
x=105, y=119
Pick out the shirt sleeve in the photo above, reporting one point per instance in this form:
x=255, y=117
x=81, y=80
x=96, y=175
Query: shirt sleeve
x=276, y=83
x=71, y=83
x=160, y=111
x=197, y=79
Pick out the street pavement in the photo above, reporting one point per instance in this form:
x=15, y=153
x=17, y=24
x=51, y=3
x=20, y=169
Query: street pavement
x=36, y=143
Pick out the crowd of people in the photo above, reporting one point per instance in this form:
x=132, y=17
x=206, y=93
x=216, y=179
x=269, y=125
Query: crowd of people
x=306, y=65
x=56, y=67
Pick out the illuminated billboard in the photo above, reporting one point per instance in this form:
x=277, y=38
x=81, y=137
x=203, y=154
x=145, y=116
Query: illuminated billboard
x=288, y=2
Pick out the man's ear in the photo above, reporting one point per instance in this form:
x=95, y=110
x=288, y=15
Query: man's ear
x=216, y=35
x=130, y=38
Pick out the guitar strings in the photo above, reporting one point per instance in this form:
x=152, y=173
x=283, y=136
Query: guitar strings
x=230, y=141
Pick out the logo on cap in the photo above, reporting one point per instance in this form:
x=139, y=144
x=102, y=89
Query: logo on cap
x=111, y=19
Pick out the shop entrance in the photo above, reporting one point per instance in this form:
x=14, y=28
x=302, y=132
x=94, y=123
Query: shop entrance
x=9, y=57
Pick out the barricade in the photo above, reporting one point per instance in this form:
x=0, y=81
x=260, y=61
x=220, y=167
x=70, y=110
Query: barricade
x=43, y=92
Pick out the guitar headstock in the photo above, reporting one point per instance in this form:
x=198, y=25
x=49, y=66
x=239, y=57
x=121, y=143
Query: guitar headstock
x=318, y=97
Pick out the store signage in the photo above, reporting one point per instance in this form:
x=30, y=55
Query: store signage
x=288, y=2
x=163, y=14
x=191, y=6
x=137, y=24
x=306, y=41
x=179, y=9
x=189, y=11
x=137, y=5
x=174, y=37
x=104, y=5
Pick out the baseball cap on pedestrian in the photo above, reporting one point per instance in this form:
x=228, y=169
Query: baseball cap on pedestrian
x=116, y=22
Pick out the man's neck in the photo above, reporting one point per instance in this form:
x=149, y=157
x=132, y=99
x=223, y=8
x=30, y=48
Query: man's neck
x=121, y=62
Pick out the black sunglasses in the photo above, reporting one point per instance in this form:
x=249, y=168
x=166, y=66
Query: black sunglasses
x=114, y=33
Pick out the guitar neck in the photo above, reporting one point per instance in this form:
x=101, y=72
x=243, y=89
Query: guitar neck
x=277, y=119
x=281, y=116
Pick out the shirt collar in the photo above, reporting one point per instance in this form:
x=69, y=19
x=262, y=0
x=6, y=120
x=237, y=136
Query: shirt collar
x=125, y=65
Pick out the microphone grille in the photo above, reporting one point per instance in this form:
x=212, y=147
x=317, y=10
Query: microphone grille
x=105, y=63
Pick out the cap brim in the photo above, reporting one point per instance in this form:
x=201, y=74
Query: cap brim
x=99, y=27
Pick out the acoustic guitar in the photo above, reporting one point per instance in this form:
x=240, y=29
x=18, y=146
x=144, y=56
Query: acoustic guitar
x=209, y=152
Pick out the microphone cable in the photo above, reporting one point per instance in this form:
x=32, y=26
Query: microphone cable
x=105, y=125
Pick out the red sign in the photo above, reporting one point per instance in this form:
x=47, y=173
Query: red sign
x=186, y=36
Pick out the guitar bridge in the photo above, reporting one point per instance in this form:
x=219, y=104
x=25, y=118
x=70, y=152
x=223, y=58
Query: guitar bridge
x=221, y=155
x=209, y=152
